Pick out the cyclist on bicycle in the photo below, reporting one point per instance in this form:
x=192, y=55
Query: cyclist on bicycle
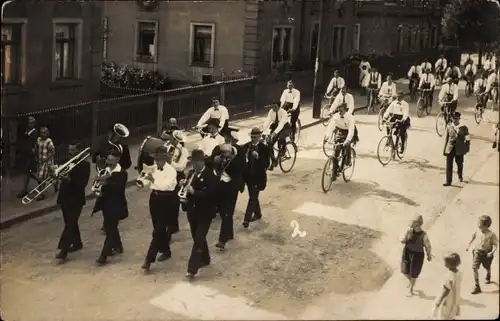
x=343, y=126
x=426, y=65
x=480, y=84
x=373, y=82
x=399, y=113
x=290, y=101
x=216, y=111
x=453, y=72
x=414, y=75
x=343, y=98
x=387, y=91
x=491, y=83
x=449, y=95
x=470, y=70
x=440, y=66
x=335, y=85
x=427, y=81
x=277, y=127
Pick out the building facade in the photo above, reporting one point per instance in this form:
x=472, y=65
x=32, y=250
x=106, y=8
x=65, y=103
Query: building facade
x=51, y=55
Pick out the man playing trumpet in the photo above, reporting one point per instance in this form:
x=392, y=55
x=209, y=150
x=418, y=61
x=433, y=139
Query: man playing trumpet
x=162, y=205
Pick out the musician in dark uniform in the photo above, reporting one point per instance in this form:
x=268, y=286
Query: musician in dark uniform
x=71, y=198
x=201, y=210
x=113, y=205
x=257, y=161
x=162, y=204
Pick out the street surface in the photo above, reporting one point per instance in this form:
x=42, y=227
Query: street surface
x=335, y=272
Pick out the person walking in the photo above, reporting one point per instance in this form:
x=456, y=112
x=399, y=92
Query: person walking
x=457, y=145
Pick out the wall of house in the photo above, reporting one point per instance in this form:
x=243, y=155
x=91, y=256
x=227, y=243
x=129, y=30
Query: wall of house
x=174, y=20
x=38, y=92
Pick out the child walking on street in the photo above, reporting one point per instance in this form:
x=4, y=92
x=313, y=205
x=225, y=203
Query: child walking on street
x=45, y=151
x=448, y=302
x=483, y=250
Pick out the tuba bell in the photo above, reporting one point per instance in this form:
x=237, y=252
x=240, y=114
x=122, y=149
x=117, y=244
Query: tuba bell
x=121, y=130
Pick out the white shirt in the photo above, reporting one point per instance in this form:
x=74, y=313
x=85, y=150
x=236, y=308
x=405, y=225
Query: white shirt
x=165, y=179
x=441, y=62
x=388, y=91
x=208, y=143
x=346, y=122
x=491, y=79
x=479, y=85
x=220, y=113
x=427, y=79
x=374, y=78
x=415, y=70
x=426, y=65
x=450, y=306
x=180, y=164
x=340, y=99
x=281, y=116
x=117, y=169
x=470, y=67
x=364, y=66
x=398, y=108
x=446, y=89
x=487, y=64
x=290, y=96
x=336, y=82
x=455, y=69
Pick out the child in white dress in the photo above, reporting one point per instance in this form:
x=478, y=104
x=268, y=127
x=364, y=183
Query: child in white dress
x=448, y=302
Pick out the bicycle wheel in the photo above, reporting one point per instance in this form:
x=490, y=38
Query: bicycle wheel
x=478, y=113
x=399, y=144
x=327, y=176
x=380, y=118
x=287, y=160
x=385, y=150
x=298, y=127
x=420, y=107
x=348, y=171
x=440, y=124
x=428, y=105
x=325, y=118
x=328, y=148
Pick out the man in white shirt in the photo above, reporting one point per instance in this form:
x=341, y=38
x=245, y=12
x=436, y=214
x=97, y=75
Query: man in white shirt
x=335, y=85
x=290, y=101
x=364, y=68
x=343, y=126
x=399, y=112
x=388, y=90
x=277, y=126
x=492, y=81
x=470, y=70
x=162, y=203
x=425, y=65
x=441, y=66
x=414, y=74
x=487, y=63
x=449, y=95
x=427, y=81
x=343, y=98
x=481, y=83
x=213, y=138
x=453, y=72
x=373, y=83
x=217, y=111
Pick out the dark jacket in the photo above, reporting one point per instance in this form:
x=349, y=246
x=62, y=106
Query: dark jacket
x=255, y=173
x=202, y=204
x=72, y=191
x=236, y=168
x=113, y=201
x=460, y=140
x=103, y=149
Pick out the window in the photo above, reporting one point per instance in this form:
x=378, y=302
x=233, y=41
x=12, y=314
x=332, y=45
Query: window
x=339, y=37
x=314, y=41
x=202, y=45
x=11, y=53
x=356, y=32
x=65, y=51
x=282, y=46
x=146, y=43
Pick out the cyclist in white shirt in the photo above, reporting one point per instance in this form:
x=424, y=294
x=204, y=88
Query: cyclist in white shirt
x=388, y=90
x=440, y=66
x=399, y=112
x=492, y=81
x=453, y=72
x=277, y=126
x=449, y=93
x=487, y=63
x=217, y=111
x=428, y=81
x=335, y=85
x=343, y=98
x=480, y=83
x=470, y=69
x=343, y=126
x=364, y=68
x=426, y=65
x=414, y=74
x=290, y=101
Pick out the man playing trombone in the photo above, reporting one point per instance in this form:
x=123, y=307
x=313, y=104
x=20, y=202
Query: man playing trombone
x=71, y=198
x=162, y=205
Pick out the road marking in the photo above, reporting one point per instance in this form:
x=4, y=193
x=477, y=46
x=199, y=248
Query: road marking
x=203, y=303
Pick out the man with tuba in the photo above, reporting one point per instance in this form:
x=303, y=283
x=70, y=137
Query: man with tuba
x=71, y=198
x=162, y=206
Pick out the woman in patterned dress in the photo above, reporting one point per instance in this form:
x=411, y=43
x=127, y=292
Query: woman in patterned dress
x=45, y=151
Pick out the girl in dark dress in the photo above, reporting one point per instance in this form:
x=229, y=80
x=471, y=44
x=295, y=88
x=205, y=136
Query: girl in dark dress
x=415, y=241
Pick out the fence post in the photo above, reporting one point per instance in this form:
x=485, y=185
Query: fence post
x=222, y=94
x=95, y=122
x=159, y=113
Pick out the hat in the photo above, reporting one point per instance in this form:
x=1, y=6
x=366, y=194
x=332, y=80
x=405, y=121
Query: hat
x=179, y=136
x=400, y=93
x=213, y=121
x=197, y=155
x=161, y=153
x=457, y=115
x=255, y=131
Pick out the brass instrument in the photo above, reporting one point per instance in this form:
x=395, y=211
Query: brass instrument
x=97, y=186
x=225, y=162
x=182, y=191
x=150, y=144
x=121, y=130
x=144, y=178
x=59, y=172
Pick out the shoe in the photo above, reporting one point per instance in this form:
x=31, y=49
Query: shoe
x=476, y=290
x=74, y=248
x=190, y=275
x=447, y=184
x=487, y=280
x=101, y=260
x=163, y=257
x=461, y=179
x=220, y=245
x=62, y=255
x=146, y=266
x=245, y=224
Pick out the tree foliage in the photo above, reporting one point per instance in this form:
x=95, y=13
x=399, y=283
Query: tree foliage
x=471, y=22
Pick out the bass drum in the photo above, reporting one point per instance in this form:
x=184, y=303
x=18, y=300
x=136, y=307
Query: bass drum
x=150, y=144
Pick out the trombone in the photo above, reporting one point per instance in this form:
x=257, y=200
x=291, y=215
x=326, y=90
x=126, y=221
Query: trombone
x=59, y=172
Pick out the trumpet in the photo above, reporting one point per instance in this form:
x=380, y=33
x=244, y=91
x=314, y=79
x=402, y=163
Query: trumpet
x=59, y=172
x=182, y=191
x=144, y=177
x=224, y=164
x=97, y=186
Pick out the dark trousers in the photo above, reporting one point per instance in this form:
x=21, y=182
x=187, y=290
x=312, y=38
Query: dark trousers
x=401, y=128
x=113, y=239
x=161, y=207
x=452, y=107
x=71, y=233
x=173, y=224
x=294, y=116
x=253, y=206
x=228, y=195
x=200, y=255
x=459, y=159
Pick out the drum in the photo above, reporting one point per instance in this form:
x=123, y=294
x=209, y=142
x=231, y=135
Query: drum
x=150, y=144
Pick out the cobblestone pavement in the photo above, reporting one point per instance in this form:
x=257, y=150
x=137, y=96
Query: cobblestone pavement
x=351, y=248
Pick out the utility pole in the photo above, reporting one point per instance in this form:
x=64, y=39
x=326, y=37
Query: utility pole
x=324, y=10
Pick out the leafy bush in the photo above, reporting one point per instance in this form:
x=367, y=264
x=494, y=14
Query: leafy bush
x=133, y=77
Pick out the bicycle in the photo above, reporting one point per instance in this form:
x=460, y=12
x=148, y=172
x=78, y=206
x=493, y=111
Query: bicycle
x=381, y=113
x=298, y=127
x=413, y=88
x=325, y=111
x=287, y=152
x=200, y=131
x=469, y=86
x=393, y=146
x=481, y=106
x=327, y=150
x=424, y=102
x=443, y=118
x=336, y=165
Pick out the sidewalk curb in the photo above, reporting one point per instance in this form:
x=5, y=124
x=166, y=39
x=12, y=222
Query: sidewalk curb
x=49, y=209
